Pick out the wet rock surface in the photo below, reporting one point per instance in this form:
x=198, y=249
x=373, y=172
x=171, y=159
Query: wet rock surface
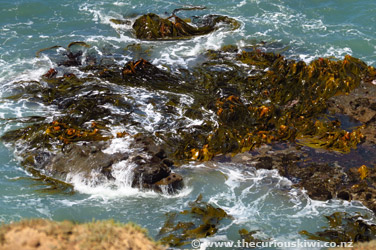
x=149, y=165
x=84, y=160
x=244, y=98
x=321, y=180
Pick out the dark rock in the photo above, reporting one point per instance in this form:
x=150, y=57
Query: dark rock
x=83, y=159
x=107, y=172
x=322, y=181
x=359, y=102
x=161, y=154
x=344, y=195
x=73, y=59
x=170, y=184
x=41, y=159
x=151, y=171
x=168, y=162
x=265, y=163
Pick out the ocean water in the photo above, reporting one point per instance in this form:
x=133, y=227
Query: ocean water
x=257, y=200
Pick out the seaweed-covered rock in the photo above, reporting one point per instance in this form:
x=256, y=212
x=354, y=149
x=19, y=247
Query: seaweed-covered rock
x=243, y=98
x=153, y=27
x=360, y=104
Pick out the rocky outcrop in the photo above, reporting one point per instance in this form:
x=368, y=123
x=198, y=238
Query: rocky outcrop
x=153, y=168
x=321, y=180
x=146, y=164
x=153, y=27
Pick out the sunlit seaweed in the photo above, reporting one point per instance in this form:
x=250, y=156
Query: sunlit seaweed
x=277, y=99
x=206, y=219
x=254, y=97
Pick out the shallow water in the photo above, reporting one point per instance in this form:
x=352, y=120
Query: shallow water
x=258, y=200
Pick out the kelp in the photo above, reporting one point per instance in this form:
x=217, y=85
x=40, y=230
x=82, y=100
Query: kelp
x=248, y=236
x=58, y=133
x=206, y=220
x=245, y=98
x=344, y=228
x=278, y=100
x=188, y=8
x=120, y=22
x=67, y=133
x=71, y=58
x=49, y=185
x=153, y=27
x=363, y=171
x=83, y=44
x=33, y=162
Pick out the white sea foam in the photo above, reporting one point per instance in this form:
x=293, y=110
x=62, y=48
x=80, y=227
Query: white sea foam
x=337, y=52
x=120, y=187
x=122, y=3
x=263, y=200
x=257, y=199
x=171, y=53
x=118, y=145
x=241, y=4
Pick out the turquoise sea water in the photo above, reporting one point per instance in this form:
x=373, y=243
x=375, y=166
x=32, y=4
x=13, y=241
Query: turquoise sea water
x=258, y=200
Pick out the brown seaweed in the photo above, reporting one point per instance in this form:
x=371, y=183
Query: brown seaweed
x=206, y=216
x=153, y=27
x=344, y=228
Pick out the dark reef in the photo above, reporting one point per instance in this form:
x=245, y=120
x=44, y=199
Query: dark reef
x=247, y=100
